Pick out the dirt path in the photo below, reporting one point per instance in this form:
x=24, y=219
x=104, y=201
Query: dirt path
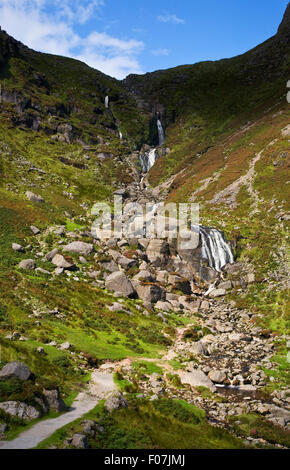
x=100, y=386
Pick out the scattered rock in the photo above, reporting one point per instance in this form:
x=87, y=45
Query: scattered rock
x=34, y=230
x=17, y=247
x=79, y=441
x=33, y=197
x=27, y=264
x=49, y=256
x=40, y=350
x=115, y=401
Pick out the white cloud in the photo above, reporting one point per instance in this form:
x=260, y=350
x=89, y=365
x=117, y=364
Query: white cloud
x=170, y=18
x=159, y=52
x=52, y=29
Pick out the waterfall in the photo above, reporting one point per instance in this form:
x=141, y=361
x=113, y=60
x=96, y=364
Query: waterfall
x=161, y=135
x=107, y=102
x=120, y=135
x=148, y=159
x=215, y=248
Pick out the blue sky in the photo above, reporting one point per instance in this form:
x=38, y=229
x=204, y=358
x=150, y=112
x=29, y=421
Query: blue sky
x=120, y=37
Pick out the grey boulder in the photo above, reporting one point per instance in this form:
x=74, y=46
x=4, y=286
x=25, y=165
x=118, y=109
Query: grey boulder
x=20, y=410
x=81, y=248
x=119, y=283
x=79, y=441
x=53, y=400
x=59, y=261
x=15, y=370
x=34, y=197
x=196, y=378
x=27, y=264
x=115, y=401
x=217, y=376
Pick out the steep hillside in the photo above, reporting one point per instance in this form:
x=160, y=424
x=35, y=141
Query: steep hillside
x=201, y=103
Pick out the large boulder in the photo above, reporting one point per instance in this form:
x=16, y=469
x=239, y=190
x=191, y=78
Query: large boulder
x=196, y=378
x=217, y=376
x=81, y=248
x=15, y=370
x=150, y=293
x=53, y=400
x=119, y=283
x=20, y=410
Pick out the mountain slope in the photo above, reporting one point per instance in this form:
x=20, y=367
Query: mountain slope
x=202, y=102
x=227, y=148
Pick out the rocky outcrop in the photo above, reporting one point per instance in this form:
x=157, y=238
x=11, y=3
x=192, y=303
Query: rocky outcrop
x=20, y=410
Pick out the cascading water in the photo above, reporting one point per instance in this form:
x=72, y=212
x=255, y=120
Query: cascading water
x=147, y=159
x=106, y=102
x=215, y=248
x=161, y=135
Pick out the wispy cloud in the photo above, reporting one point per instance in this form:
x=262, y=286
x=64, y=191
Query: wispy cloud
x=170, y=18
x=50, y=26
x=159, y=52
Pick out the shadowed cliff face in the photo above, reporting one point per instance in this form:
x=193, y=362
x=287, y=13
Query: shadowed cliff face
x=285, y=24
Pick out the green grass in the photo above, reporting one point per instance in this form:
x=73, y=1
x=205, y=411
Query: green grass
x=161, y=424
x=144, y=367
x=258, y=427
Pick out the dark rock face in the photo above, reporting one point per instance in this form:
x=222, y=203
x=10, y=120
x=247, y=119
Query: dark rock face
x=15, y=370
x=53, y=400
x=285, y=24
